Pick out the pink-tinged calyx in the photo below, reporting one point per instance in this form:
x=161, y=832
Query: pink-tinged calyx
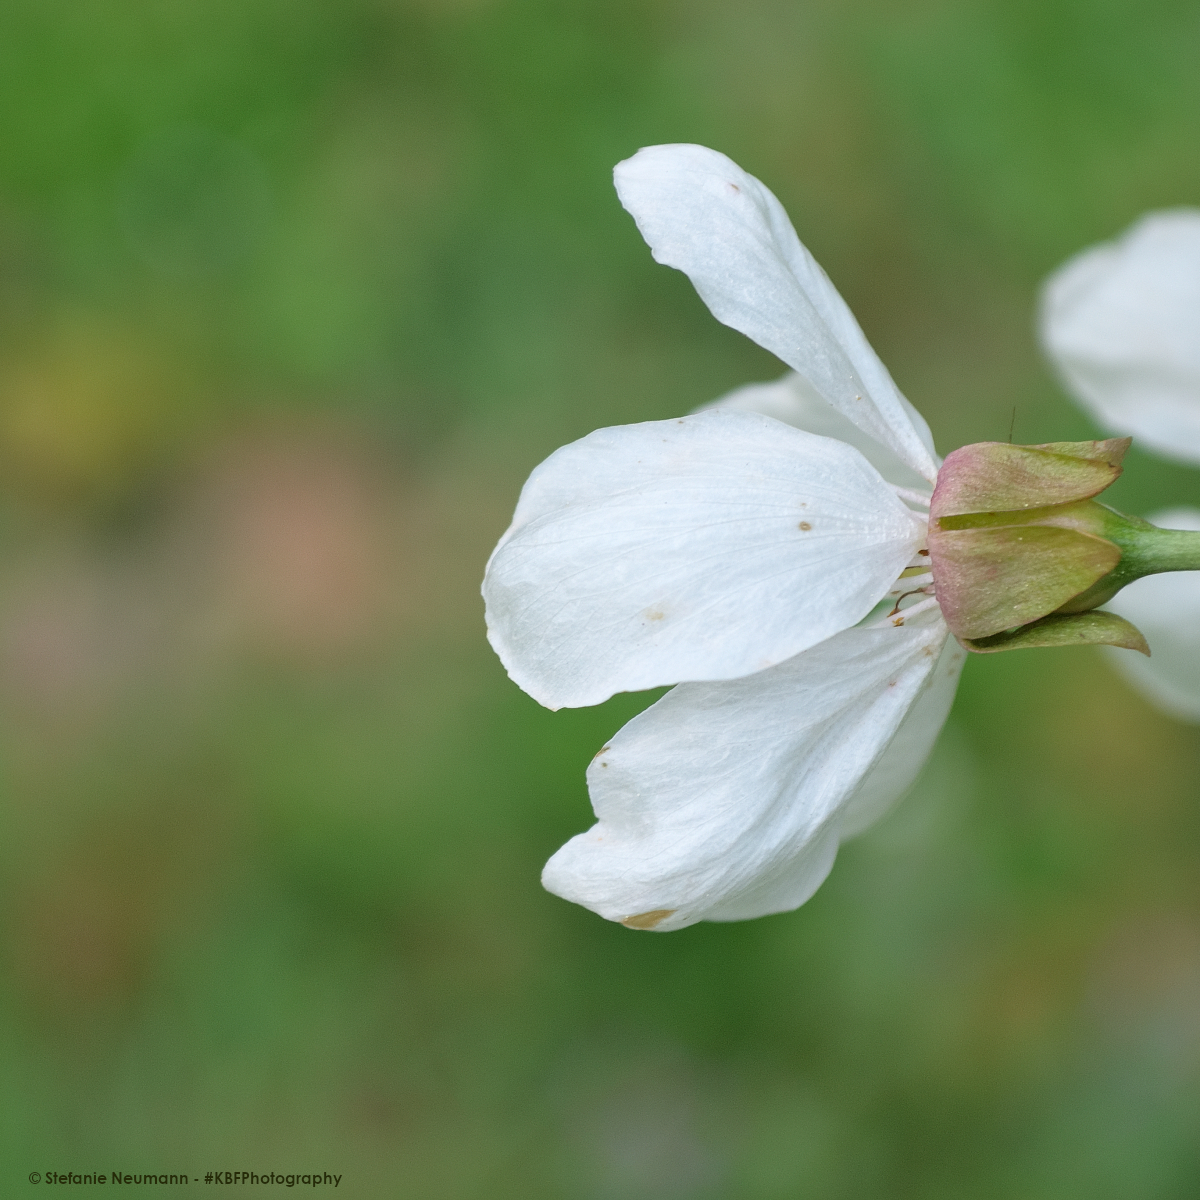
x=1014, y=534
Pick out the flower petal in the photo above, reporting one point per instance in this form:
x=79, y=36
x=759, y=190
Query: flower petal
x=888, y=780
x=794, y=401
x=723, y=801
x=1121, y=321
x=706, y=547
x=700, y=212
x=1166, y=608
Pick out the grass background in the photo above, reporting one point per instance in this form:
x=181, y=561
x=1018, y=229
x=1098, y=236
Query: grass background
x=292, y=297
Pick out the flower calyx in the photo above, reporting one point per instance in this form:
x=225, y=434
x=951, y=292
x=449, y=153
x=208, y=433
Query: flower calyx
x=1020, y=551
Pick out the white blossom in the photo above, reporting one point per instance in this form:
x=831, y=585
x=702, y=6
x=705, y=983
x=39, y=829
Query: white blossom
x=1121, y=322
x=734, y=552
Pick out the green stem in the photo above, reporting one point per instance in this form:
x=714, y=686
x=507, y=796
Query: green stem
x=1145, y=550
x=1159, y=550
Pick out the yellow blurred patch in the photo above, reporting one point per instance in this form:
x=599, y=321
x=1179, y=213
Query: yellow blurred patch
x=84, y=413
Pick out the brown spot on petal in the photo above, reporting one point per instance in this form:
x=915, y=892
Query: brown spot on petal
x=647, y=920
x=805, y=526
x=654, y=614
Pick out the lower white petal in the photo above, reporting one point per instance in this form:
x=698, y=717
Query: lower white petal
x=794, y=401
x=1122, y=323
x=1166, y=608
x=896, y=771
x=706, y=547
x=725, y=801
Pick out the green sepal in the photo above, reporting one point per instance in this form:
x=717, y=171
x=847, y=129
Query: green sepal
x=1094, y=628
x=990, y=580
x=991, y=477
x=1110, y=450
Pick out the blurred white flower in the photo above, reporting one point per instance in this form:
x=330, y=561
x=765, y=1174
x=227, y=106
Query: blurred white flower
x=1121, y=322
x=733, y=554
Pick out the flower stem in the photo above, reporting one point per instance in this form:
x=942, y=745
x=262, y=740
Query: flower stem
x=1145, y=550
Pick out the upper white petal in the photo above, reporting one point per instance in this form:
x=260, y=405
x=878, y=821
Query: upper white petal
x=706, y=547
x=703, y=214
x=793, y=400
x=1166, y=608
x=724, y=801
x=1121, y=321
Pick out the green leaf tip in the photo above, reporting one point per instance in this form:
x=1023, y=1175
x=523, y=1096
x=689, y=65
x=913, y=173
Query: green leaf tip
x=1094, y=628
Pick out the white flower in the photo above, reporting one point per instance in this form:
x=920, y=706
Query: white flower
x=1121, y=321
x=733, y=552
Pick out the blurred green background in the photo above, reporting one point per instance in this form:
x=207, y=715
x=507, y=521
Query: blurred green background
x=293, y=294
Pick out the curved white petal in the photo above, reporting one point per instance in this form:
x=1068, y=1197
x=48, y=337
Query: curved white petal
x=700, y=212
x=1166, y=608
x=706, y=547
x=794, y=401
x=1121, y=321
x=891, y=777
x=724, y=801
